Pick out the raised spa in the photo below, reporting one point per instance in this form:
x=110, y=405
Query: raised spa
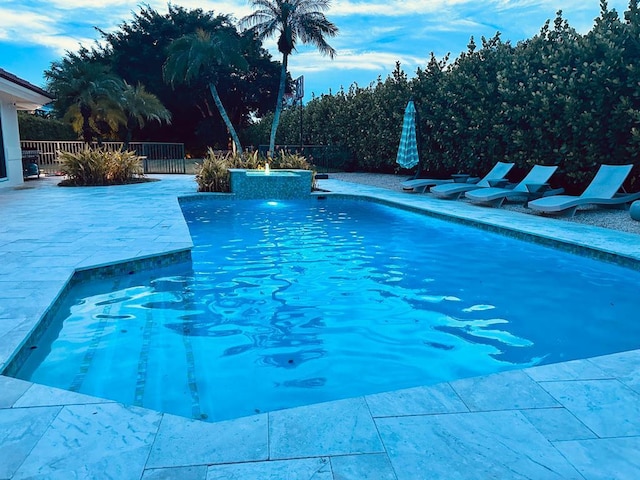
x=278, y=184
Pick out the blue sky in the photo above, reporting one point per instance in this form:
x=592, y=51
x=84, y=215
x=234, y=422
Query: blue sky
x=374, y=34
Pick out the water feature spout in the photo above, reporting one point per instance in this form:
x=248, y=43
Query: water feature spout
x=266, y=169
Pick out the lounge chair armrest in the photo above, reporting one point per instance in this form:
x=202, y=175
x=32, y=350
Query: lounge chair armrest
x=499, y=183
x=460, y=177
x=552, y=191
x=537, y=187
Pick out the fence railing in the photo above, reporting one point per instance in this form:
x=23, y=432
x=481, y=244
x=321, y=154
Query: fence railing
x=157, y=157
x=326, y=158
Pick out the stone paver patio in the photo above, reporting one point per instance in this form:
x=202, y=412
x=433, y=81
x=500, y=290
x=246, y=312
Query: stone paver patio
x=574, y=420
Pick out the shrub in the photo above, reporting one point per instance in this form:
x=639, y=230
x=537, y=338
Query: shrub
x=290, y=161
x=212, y=175
x=250, y=161
x=91, y=167
x=123, y=167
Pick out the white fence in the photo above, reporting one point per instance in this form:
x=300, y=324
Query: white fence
x=158, y=157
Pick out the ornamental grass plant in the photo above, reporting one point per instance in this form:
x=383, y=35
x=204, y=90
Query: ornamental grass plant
x=291, y=161
x=212, y=175
x=98, y=166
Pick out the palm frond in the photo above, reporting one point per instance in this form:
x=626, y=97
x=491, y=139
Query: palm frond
x=142, y=106
x=292, y=20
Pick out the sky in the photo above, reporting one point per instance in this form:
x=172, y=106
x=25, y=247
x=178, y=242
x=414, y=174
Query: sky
x=373, y=34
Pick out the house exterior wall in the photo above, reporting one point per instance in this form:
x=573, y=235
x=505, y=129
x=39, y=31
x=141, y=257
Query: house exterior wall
x=11, y=145
x=15, y=94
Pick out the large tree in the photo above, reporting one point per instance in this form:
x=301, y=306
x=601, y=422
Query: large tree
x=196, y=56
x=291, y=20
x=137, y=50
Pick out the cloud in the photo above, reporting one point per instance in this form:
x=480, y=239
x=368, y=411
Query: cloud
x=84, y=4
x=25, y=20
x=312, y=62
x=67, y=24
x=393, y=8
x=42, y=30
x=226, y=6
x=444, y=8
x=373, y=34
x=238, y=9
x=12, y=23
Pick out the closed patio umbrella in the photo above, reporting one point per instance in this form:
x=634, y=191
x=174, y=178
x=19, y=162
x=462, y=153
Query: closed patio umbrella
x=408, y=148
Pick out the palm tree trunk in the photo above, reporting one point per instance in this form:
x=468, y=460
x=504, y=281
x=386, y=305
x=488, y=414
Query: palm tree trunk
x=129, y=135
x=276, y=115
x=225, y=117
x=87, y=131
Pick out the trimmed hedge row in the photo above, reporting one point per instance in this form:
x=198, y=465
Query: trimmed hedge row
x=39, y=127
x=559, y=98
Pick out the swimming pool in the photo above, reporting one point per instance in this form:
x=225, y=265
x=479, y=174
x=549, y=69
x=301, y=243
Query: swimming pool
x=297, y=302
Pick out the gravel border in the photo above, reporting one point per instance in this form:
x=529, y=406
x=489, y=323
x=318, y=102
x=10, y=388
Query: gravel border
x=590, y=215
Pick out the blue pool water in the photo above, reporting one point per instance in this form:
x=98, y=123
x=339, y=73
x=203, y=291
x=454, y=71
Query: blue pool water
x=297, y=302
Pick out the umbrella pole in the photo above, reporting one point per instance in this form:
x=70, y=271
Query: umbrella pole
x=418, y=142
x=408, y=155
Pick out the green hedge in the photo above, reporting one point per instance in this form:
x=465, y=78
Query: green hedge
x=39, y=127
x=560, y=98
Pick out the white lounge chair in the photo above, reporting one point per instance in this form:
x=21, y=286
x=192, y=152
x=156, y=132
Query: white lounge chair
x=454, y=190
x=603, y=191
x=535, y=181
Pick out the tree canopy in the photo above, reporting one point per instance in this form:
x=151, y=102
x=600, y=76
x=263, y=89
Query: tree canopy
x=137, y=51
x=199, y=56
x=86, y=92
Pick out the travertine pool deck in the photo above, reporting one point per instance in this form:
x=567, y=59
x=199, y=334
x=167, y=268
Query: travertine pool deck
x=574, y=420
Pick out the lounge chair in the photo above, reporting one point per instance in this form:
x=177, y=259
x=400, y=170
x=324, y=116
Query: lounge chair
x=535, y=183
x=603, y=190
x=420, y=185
x=454, y=190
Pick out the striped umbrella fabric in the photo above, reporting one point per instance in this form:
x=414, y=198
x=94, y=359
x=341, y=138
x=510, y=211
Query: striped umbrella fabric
x=408, y=149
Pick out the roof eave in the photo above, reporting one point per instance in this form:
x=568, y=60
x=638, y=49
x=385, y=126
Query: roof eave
x=23, y=94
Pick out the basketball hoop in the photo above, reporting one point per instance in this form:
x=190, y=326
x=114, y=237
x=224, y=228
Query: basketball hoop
x=298, y=88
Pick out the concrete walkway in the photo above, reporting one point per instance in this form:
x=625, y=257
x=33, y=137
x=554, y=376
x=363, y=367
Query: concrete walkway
x=575, y=420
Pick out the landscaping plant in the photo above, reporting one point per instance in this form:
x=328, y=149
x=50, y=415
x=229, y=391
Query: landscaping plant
x=212, y=175
x=98, y=166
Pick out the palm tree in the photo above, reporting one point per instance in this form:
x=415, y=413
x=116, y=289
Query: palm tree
x=291, y=20
x=82, y=85
x=141, y=106
x=202, y=53
x=106, y=117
